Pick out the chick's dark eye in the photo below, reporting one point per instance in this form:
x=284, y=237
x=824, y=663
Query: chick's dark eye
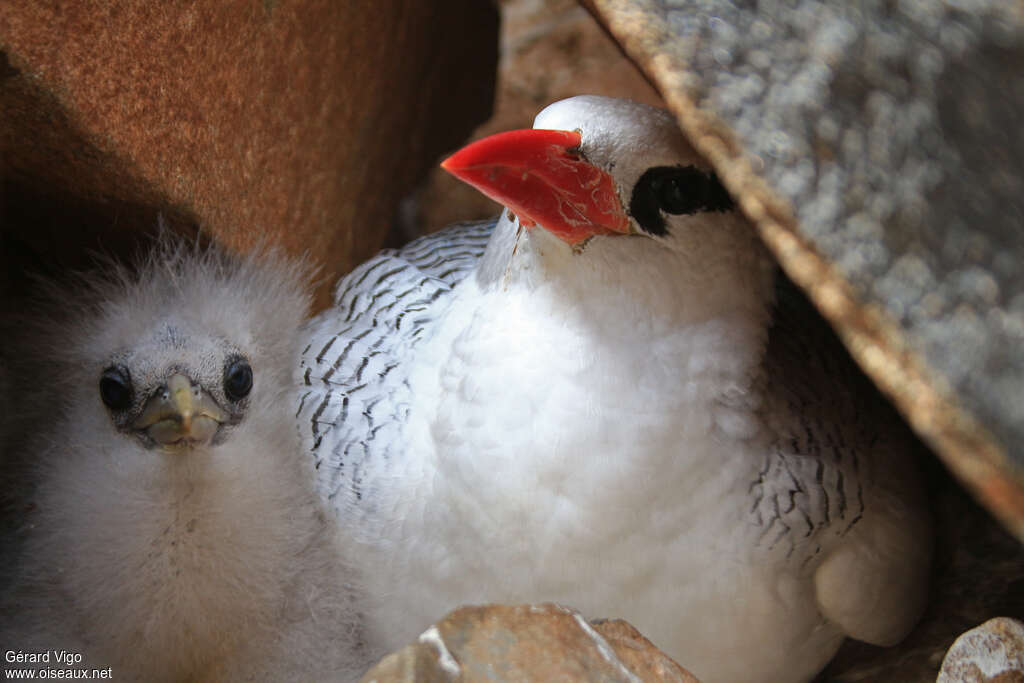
x=675, y=190
x=116, y=388
x=237, y=379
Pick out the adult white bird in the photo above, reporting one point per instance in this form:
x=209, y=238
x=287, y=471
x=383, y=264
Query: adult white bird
x=599, y=401
x=170, y=528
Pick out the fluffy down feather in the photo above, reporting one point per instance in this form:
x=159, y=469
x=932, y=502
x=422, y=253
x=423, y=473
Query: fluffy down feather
x=209, y=562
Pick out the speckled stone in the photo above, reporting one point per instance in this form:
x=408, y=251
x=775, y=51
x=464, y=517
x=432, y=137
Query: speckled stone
x=878, y=148
x=305, y=120
x=527, y=643
x=990, y=653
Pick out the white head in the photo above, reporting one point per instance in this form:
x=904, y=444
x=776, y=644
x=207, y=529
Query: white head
x=182, y=358
x=628, y=209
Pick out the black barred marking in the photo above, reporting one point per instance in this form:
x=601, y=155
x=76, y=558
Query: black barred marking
x=387, y=369
x=804, y=485
x=430, y=255
x=764, y=472
x=448, y=272
x=816, y=478
x=344, y=409
x=817, y=551
x=429, y=300
x=362, y=397
x=438, y=260
x=373, y=403
x=344, y=454
x=399, y=298
x=468, y=237
x=320, y=411
x=325, y=349
x=390, y=273
x=382, y=292
x=401, y=316
x=302, y=402
x=760, y=496
x=351, y=308
x=362, y=366
x=766, y=529
x=373, y=432
x=355, y=286
x=344, y=354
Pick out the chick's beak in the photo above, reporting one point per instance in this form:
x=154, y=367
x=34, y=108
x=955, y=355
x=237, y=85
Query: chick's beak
x=180, y=414
x=541, y=176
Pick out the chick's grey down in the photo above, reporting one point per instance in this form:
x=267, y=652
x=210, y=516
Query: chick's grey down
x=634, y=425
x=170, y=527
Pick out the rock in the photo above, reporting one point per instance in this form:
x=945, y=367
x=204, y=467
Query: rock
x=527, y=643
x=305, y=119
x=990, y=653
x=877, y=149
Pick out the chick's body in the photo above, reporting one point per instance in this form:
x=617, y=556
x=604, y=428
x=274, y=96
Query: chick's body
x=175, y=537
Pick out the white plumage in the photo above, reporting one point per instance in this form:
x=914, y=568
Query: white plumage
x=169, y=525
x=630, y=424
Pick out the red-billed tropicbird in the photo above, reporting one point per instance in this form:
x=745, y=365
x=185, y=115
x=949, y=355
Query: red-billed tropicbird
x=599, y=401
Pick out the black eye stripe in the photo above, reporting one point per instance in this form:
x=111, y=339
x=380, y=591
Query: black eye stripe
x=676, y=190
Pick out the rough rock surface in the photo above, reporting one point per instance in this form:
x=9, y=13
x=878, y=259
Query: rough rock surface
x=527, y=643
x=304, y=119
x=878, y=149
x=990, y=653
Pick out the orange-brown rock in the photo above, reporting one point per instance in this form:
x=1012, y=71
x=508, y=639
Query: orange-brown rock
x=304, y=119
x=527, y=643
